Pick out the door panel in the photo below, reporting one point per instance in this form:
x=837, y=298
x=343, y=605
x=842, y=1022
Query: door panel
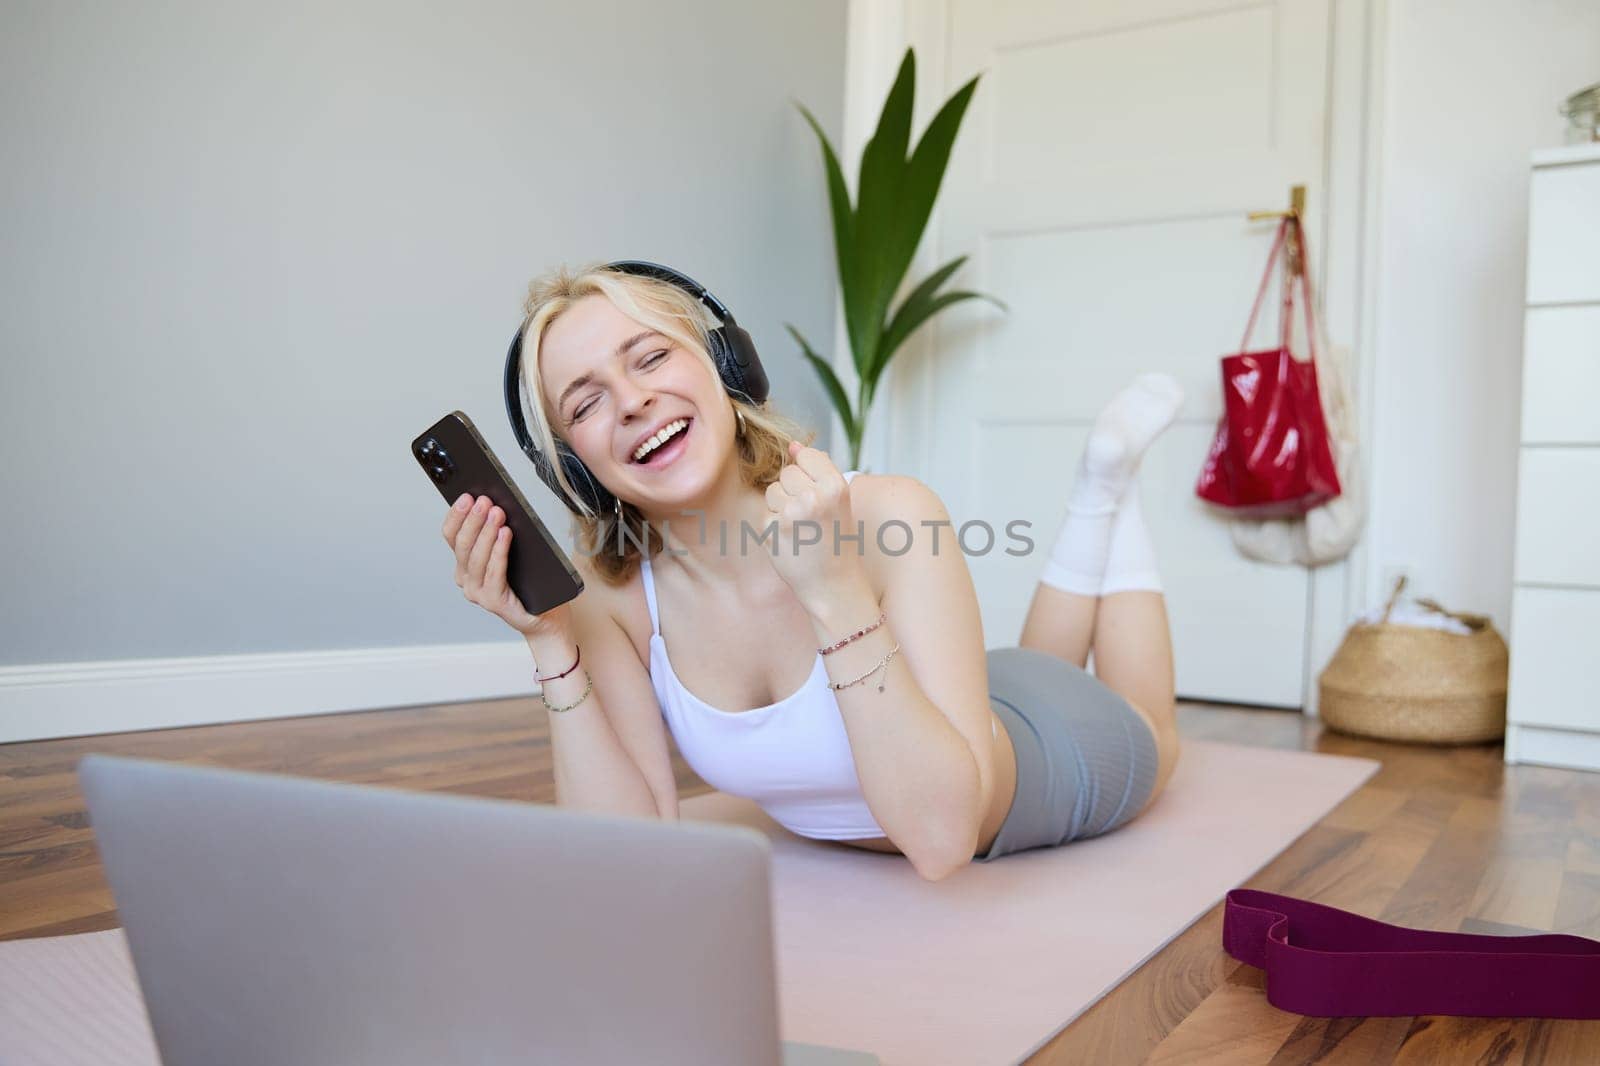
x=1100, y=185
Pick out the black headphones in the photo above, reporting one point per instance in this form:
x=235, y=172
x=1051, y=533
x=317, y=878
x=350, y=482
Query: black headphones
x=732, y=351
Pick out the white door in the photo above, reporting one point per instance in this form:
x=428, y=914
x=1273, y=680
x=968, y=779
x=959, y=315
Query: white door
x=1100, y=185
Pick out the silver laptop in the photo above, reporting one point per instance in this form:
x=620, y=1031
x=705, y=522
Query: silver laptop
x=277, y=920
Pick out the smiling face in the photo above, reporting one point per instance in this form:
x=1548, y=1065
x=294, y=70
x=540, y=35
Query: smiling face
x=611, y=383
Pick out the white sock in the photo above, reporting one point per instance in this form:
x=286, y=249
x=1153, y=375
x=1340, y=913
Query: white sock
x=1131, y=562
x=1110, y=460
x=1078, y=561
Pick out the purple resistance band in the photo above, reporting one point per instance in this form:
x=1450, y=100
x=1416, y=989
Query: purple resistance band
x=1329, y=963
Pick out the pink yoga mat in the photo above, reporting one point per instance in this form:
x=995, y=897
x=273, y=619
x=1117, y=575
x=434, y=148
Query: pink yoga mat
x=987, y=965
x=72, y=1001
x=982, y=967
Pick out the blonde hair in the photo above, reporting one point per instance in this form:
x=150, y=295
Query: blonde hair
x=762, y=443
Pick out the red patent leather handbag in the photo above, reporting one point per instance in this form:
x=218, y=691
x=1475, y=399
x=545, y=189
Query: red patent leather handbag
x=1271, y=455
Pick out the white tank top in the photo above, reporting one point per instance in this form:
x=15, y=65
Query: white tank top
x=792, y=757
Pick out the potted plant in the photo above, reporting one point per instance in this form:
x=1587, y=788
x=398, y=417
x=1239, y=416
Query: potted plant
x=875, y=239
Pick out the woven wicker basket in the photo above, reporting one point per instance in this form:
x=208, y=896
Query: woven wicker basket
x=1415, y=684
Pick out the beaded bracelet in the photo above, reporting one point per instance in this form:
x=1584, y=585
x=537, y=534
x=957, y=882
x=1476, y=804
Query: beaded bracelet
x=565, y=672
x=586, y=690
x=857, y=635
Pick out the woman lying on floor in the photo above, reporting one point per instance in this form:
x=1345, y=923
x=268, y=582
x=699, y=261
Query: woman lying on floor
x=844, y=689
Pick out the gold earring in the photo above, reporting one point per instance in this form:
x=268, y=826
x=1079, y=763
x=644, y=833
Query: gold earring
x=740, y=415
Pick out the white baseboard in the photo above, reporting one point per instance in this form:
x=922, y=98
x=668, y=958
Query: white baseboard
x=1568, y=748
x=117, y=696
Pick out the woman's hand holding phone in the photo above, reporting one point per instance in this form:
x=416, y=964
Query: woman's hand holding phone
x=476, y=531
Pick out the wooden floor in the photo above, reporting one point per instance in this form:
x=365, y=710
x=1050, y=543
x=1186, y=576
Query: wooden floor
x=1439, y=838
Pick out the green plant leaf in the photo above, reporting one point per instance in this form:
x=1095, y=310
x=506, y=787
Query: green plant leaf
x=830, y=381
x=841, y=403
x=876, y=241
x=883, y=166
x=924, y=311
x=883, y=158
x=908, y=317
x=920, y=184
x=844, y=235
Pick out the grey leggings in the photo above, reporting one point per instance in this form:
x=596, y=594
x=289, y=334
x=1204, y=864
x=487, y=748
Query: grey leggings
x=1086, y=760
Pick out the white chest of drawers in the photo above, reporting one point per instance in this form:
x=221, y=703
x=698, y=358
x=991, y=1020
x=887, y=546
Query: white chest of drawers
x=1553, y=701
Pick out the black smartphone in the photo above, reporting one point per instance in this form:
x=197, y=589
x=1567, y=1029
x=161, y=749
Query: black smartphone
x=456, y=459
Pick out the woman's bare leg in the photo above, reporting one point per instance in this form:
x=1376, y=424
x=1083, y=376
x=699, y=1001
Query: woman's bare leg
x=1061, y=623
x=1133, y=657
x=1126, y=623
x=1132, y=641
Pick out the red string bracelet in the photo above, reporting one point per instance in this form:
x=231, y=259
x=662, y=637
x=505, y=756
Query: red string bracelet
x=565, y=672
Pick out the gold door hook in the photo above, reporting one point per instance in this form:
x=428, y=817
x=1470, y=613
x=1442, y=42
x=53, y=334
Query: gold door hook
x=1297, y=208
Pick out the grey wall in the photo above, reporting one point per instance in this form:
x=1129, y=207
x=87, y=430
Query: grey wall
x=249, y=251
